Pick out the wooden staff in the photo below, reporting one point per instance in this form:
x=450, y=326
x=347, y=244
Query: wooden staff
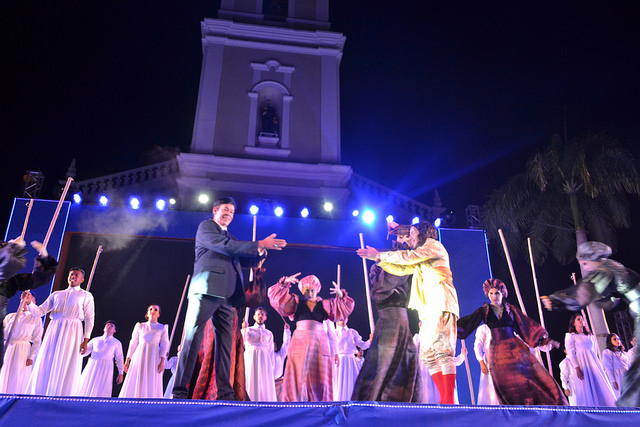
x=466, y=365
x=513, y=275
x=535, y=284
x=515, y=282
x=93, y=269
x=57, y=212
x=251, y=273
x=175, y=321
x=26, y=219
x=366, y=286
x=23, y=303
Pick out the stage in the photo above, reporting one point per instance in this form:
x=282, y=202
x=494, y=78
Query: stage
x=67, y=412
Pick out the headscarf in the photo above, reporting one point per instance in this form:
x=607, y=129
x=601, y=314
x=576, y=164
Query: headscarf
x=310, y=281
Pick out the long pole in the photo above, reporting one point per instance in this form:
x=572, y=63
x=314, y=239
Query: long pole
x=23, y=303
x=175, y=321
x=535, y=284
x=57, y=212
x=26, y=219
x=466, y=365
x=93, y=269
x=251, y=273
x=366, y=286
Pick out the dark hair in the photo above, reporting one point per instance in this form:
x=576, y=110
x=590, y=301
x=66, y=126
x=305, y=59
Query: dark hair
x=426, y=230
x=77, y=269
x=151, y=305
x=495, y=284
x=260, y=308
x=610, y=345
x=224, y=201
x=572, y=326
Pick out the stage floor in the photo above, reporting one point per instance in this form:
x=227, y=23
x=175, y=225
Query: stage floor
x=52, y=411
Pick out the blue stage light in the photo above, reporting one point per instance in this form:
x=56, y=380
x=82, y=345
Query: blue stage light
x=355, y=212
x=161, y=204
x=203, y=198
x=304, y=212
x=437, y=223
x=253, y=210
x=328, y=206
x=368, y=217
x=415, y=220
x=77, y=198
x=134, y=202
x=278, y=211
x=389, y=218
x=103, y=200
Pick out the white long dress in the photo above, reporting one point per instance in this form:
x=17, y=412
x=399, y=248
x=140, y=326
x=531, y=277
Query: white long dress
x=58, y=366
x=97, y=377
x=616, y=364
x=23, y=345
x=486, y=391
x=148, y=342
x=594, y=389
x=259, y=363
x=568, y=379
x=348, y=369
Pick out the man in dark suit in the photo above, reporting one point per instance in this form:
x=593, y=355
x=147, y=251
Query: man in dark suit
x=216, y=288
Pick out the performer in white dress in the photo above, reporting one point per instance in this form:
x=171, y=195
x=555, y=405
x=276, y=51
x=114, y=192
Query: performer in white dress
x=568, y=379
x=57, y=369
x=280, y=357
x=592, y=388
x=21, y=349
x=146, y=355
x=486, y=392
x=97, y=376
x=348, y=341
x=259, y=359
x=616, y=362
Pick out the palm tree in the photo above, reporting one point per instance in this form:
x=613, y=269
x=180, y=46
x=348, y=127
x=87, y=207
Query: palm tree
x=570, y=192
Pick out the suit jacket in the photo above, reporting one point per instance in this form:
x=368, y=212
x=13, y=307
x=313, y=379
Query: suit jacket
x=217, y=270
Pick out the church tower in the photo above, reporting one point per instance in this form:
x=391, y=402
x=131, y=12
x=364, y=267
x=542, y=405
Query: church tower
x=268, y=112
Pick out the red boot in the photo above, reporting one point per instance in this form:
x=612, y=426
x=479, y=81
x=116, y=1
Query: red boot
x=437, y=380
x=449, y=385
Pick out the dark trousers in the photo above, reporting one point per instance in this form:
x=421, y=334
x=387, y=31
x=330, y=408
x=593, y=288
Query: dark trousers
x=200, y=309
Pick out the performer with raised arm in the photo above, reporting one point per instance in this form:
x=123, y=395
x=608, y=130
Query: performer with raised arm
x=391, y=370
x=216, y=288
x=605, y=281
x=146, y=355
x=433, y=296
x=518, y=377
x=97, y=377
x=12, y=260
x=22, y=347
x=308, y=371
x=58, y=366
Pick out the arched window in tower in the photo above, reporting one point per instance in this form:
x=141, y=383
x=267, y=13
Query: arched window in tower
x=270, y=129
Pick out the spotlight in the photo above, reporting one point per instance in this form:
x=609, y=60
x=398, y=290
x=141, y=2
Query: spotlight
x=355, y=212
x=389, y=218
x=328, y=206
x=77, y=198
x=368, y=217
x=203, y=198
x=304, y=212
x=278, y=211
x=437, y=223
x=161, y=204
x=254, y=210
x=172, y=201
x=134, y=202
x=415, y=220
x=103, y=200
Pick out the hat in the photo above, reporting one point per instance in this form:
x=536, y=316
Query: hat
x=593, y=251
x=310, y=281
x=397, y=229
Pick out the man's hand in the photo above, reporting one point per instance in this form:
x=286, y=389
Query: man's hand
x=554, y=343
x=83, y=346
x=126, y=365
x=483, y=367
x=18, y=241
x=119, y=379
x=42, y=250
x=336, y=290
x=293, y=279
x=270, y=242
x=546, y=302
x=368, y=253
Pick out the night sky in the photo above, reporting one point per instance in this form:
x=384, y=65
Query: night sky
x=453, y=96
